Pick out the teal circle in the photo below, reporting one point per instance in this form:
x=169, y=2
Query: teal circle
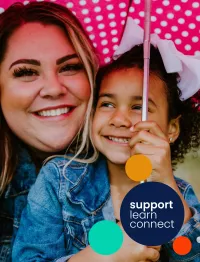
x=105, y=237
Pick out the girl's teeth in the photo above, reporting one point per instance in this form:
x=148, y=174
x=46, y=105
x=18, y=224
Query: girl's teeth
x=118, y=140
x=54, y=112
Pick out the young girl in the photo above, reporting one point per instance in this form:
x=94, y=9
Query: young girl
x=69, y=198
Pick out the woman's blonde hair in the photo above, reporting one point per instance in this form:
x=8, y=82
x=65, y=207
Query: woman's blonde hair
x=45, y=13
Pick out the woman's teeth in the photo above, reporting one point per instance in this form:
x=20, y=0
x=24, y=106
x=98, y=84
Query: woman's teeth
x=55, y=112
x=119, y=140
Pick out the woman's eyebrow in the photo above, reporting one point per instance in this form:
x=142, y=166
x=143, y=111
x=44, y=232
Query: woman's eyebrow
x=109, y=95
x=37, y=62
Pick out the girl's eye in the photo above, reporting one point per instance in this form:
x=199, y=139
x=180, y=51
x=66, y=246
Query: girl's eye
x=26, y=74
x=106, y=104
x=137, y=107
x=71, y=69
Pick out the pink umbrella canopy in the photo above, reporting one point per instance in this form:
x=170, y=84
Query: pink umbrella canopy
x=104, y=21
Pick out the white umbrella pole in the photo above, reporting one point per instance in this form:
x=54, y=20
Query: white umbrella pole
x=147, y=30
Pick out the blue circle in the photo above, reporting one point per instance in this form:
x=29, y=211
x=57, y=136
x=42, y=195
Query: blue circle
x=152, y=213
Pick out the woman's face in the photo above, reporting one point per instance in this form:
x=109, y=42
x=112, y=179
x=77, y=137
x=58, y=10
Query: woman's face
x=44, y=87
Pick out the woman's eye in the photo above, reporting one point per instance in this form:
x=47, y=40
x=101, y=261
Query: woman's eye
x=71, y=69
x=26, y=74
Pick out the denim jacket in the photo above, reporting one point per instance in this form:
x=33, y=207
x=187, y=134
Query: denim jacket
x=65, y=203
x=13, y=201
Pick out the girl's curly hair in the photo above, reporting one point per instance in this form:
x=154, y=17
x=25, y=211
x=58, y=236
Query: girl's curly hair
x=189, y=138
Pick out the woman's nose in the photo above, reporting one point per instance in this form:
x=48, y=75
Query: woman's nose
x=52, y=87
x=121, y=119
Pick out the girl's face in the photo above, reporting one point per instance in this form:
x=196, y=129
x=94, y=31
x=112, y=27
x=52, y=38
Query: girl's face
x=119, y=108
x=44, y=88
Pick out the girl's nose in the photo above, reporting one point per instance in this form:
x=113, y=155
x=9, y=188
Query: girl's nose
x=120, y=119
x=52, y=87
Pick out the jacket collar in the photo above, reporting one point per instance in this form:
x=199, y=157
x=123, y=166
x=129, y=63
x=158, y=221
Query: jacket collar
x=25, y=175
x=91, y=187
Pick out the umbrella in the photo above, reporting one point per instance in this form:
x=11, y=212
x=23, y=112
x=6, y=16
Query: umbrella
x=104, y=20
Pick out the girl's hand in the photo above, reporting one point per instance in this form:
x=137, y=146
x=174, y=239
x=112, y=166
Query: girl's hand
x=133, y=251
x=149, y=140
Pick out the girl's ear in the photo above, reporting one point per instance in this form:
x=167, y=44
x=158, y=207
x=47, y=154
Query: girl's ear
x=174, y=129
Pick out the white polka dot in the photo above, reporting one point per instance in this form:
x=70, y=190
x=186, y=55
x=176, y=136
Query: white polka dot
x=97, y=9
x=25, y=3
x=85, y=11
x=87, y=20
x=107, y=60
x=174, y=28
x=115, y=40
x=122, y=5
x=157, y=30
x=131, y=9
x=159, y=10
x=177, y=7
x=137, y=2
x=188, y=12
x=178, y=41
x=89, y=28
x=95, y=44
x=187, y=47
x=99, y=18
x=192, y=26
x=181, y=20
x=165, y=3
x=123, y=22
x=102, y=34
x=114, y=32
x=195, y=39
x=198, y=18
x=115, y=47
x=170, y=15
x=141, y=13
x=39, y=0
x=110, y=7
x=163, y=23
x=153, y=18
x=82, y=2
x=69, y=5
x=184, y=1
x=111, y=16
x=104, y=42
x=168, y=36
x=105, y=51
x=92, y=37
x=73, y=12
x=197, y=53
x=123, y=14
x=112, y=24
x=195, y=5
x=137, y=21
x=101, y=26
x=95, y=1
x=184, y=33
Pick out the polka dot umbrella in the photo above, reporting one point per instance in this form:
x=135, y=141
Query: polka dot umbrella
x=104, y=21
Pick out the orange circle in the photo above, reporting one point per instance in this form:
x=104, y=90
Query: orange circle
x=182, y=245
x=138, y=167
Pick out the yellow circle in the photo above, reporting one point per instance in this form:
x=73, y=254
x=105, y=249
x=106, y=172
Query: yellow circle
x=138, y=167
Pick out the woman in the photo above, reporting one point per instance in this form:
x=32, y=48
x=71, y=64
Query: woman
x=47, y=70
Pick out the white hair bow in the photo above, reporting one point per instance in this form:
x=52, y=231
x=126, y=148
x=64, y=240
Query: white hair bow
x=188, y=67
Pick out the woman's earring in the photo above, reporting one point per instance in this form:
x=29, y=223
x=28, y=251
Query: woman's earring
x=171, y=139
